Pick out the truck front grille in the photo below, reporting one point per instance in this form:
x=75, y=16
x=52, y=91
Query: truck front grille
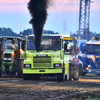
x=7, y=57
x=42, y=61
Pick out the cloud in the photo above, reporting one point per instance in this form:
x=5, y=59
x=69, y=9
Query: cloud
x=71, y=6
x=13, y=1
x=21, y=5
x=17, y=6
x=63, y=6
x=95, y=6
x=55, y=5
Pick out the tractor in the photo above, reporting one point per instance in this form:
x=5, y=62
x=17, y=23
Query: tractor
x=11, y=55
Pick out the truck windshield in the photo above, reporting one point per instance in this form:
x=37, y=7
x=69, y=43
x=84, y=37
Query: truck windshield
x=10, y=44
x=93, y=48
x=69, y=47
x=46, y=44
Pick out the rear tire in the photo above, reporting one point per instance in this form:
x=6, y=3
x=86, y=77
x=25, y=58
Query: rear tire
x=0, y=73
x=80, y=70
x=19, y=68
x=0, y=67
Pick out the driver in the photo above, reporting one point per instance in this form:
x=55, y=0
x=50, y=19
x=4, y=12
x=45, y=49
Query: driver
x=54, y=44
x=12, y=45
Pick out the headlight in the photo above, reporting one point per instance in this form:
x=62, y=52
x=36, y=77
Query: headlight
x=57, y=65
x=5, y=59
x=9, y=58
x=27, y=65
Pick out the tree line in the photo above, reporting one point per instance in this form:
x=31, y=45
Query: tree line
x=92, y=34
x=9, y=32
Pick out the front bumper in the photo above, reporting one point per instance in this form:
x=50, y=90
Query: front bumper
x=42, y=71
x=7, y=63
x=93, y=71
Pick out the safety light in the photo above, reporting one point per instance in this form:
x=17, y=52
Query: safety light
x=87, y=68
x=21, y=35
x=21, y=51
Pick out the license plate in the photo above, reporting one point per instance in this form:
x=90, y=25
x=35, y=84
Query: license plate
x=41, y=70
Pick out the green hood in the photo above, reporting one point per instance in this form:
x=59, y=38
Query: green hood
x=9, y=51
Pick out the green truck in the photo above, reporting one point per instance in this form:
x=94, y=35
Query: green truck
x=49, y=61
x=11, y=55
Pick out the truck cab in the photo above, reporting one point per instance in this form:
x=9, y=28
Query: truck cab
x=90, y=57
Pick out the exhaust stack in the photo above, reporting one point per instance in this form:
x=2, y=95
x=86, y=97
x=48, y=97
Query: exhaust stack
x=38, y=11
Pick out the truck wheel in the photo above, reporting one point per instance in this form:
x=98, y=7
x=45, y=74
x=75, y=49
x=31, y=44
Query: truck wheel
x=80, y=70
x=0, y=66
x=26, y=77
x=61, y=76
x=19, y=68
x=0, y=73
x=67, y=77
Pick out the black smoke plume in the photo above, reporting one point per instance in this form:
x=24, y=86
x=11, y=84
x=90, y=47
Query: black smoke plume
x=38, y=11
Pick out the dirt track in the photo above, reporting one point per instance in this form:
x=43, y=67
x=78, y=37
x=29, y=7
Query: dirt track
x=87, y=88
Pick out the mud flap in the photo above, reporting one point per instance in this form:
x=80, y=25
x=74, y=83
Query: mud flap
x=67, y=77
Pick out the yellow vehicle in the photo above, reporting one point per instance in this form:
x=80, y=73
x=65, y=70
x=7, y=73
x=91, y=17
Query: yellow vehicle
x=71, y=59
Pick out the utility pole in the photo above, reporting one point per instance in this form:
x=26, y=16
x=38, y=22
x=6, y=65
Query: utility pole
x=84, y=17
